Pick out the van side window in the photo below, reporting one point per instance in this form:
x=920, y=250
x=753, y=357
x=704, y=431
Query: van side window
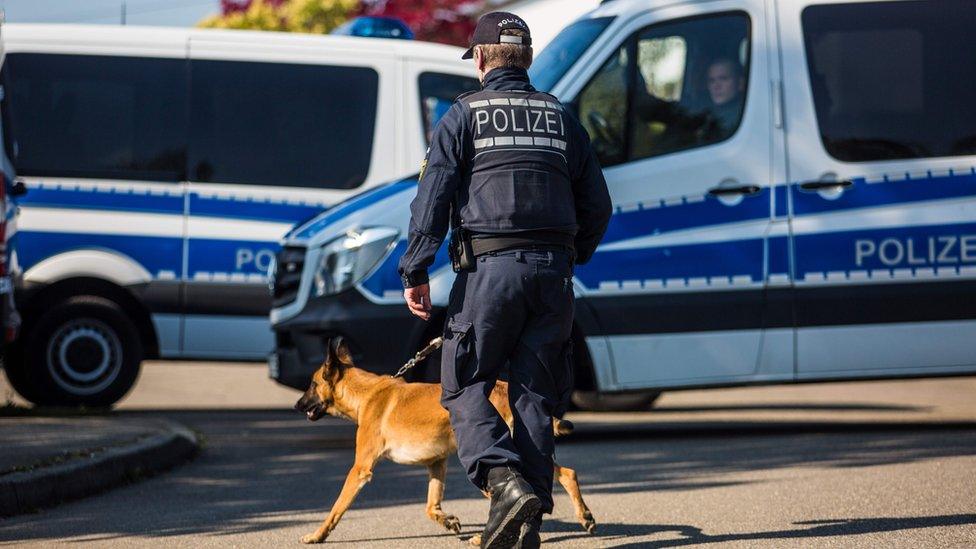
x=670, y=87
x=893, y=80
x=98, y=116
x=603, y=108
x=280, y=124
x=437, y=93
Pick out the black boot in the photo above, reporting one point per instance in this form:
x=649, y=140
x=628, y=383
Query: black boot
x=530, y=538
x=512, y=504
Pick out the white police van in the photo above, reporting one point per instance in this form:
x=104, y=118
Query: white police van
x=794, y=185
x=164, y=166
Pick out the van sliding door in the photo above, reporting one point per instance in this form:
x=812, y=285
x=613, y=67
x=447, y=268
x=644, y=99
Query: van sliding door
x=882, y=151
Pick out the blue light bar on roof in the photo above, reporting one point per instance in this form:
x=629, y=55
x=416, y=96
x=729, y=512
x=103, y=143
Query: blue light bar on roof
x=375, y=27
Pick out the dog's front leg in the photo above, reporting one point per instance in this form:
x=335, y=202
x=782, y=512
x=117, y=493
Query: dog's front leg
x=359, y=475
x=357, y=478
x=567, y=477
x=436, y=472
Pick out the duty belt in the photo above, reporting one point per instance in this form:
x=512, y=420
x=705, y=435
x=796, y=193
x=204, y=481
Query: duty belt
x=484, y=244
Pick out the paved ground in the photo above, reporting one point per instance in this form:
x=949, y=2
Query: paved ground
x=888, y=464
x=30, y=442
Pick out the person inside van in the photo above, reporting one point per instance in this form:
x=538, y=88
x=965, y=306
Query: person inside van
x=685, y=126
x=726, y=84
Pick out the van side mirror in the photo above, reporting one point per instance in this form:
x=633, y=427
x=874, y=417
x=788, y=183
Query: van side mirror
x=19, y=189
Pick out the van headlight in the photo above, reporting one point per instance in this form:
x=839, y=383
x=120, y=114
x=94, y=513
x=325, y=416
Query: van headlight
x=350, y=258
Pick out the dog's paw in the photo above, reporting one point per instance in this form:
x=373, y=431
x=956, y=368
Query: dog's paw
x=475, y=540
x=589, y=524
x=452, y=523
x=312, y=538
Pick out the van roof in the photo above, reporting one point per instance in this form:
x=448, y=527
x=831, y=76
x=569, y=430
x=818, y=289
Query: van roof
x=60, y=37
x=625, y=7
x=622, y=7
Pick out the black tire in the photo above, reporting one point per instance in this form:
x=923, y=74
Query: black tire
x=627, y=402
x=84, y=351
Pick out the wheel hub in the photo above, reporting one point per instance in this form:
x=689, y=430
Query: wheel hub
x=84, y=356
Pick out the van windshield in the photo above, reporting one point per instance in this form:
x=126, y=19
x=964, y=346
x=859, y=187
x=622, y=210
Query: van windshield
x=553, y=62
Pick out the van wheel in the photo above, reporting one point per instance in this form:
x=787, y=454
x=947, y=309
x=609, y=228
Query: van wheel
x=631, y=402
x=83, y=352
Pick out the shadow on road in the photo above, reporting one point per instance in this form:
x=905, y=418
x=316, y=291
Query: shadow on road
x=690, y=535
x=688, y=456
x=259, y=469
x=792, y=407
x=663, y=429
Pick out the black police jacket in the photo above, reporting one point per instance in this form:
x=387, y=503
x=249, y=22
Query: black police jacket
x=506, y=159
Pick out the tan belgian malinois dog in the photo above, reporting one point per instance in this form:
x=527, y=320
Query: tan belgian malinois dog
x=405, y=423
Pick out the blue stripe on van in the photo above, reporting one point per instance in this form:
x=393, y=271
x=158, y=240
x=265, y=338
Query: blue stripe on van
x=744, y=258
x=658, y=218
x=136, y=201
x=153, y=253
x=66, y=196
x=946, y=247
x=718, y=259
x=248, y=208
x=223, y=258
x=778, y=254
x=904, y=189
x=781, y=196
x=722, y=259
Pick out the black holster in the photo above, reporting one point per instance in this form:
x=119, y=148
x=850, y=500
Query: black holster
x=460, y=251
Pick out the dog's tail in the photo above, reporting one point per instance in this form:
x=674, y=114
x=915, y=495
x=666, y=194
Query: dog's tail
x=561, y=427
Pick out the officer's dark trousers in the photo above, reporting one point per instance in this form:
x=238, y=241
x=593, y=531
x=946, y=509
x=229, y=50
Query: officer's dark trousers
x=515, y=309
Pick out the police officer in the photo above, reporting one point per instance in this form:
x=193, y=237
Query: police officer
x=514, y=175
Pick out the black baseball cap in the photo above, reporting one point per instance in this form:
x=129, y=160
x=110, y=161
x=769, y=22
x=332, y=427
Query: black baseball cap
x=489, y=31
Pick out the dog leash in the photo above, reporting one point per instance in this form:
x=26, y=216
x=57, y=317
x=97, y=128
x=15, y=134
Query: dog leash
x=420, y=356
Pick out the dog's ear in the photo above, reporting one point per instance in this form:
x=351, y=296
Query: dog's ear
x=341, y=351
x=329, y=354
x=331, y=367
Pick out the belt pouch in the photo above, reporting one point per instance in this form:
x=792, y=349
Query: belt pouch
x=460, y=251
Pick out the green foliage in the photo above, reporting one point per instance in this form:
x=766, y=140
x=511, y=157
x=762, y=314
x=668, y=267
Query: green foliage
x=311, y=16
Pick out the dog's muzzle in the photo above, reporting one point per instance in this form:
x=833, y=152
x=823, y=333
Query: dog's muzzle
x=312, y=408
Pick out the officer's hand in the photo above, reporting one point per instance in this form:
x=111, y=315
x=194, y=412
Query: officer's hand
x=418, y=300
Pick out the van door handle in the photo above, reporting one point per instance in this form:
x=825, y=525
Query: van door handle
x=823, y=184
x=730, y=191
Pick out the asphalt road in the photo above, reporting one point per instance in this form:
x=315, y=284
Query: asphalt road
x=882, y=464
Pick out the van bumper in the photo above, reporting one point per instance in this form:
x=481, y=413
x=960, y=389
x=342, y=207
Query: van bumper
x=381, y=337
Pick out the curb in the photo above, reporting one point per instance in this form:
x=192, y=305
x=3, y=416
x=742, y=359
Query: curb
x=26, y=492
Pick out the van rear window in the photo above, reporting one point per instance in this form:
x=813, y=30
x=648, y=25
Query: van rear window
x=893, y=80
x=130, y=118
x=281, y=124
x=97, y=116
